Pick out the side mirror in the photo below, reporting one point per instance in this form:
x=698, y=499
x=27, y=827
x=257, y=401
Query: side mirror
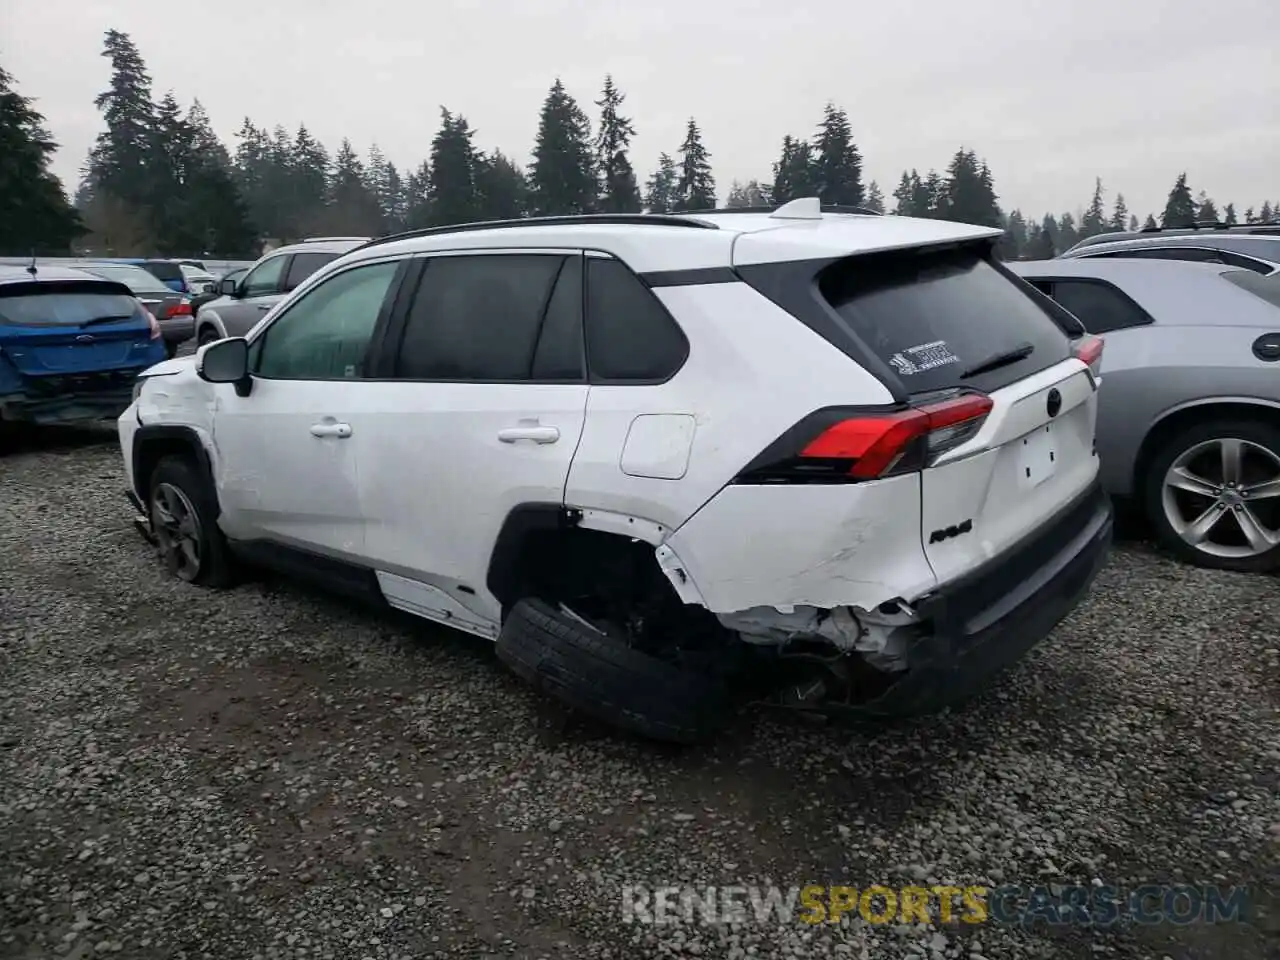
x=228, y=287
x=224, y=361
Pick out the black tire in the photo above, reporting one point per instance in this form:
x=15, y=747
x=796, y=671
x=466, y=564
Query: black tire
x=602, y=677
x=213, y=566
x=207, y=335
x=1262, y=434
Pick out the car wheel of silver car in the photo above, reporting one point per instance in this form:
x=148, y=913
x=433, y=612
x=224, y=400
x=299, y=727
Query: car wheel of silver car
x=1213, y=495
x=207, y=335
x=183, y=522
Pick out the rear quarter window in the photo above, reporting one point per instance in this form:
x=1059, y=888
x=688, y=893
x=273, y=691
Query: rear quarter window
x=1267, y=288
x=63, y=304
x=935, y=316
x=163, y=269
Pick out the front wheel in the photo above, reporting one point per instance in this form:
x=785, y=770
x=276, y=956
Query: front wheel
x=184, y=522
x=207, y=335
x=1212, y=493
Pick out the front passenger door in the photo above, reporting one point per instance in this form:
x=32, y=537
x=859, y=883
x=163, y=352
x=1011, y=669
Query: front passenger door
x=287, y=463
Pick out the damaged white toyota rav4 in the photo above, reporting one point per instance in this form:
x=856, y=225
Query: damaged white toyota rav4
x=667, y=463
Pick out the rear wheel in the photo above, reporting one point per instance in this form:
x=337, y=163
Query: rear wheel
x=184, y=522
x=1212, y=493
x=207, y=335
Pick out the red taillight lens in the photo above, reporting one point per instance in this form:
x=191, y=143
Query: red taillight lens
x=867, y=446
x=152, y=324
x=180, y=309
x=1088, y=349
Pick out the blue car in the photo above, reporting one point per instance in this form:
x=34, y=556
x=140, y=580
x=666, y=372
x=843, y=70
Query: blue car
x=71, y=345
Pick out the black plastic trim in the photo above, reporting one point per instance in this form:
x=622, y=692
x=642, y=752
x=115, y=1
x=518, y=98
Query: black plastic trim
x=630, y=219
x=151, y=434
x=504, y=578
x=690, y=278
x=335, y=576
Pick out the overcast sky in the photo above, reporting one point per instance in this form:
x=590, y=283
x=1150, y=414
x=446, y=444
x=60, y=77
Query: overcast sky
x=1051, y=92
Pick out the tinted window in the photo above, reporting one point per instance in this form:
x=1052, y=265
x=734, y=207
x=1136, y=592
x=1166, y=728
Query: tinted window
x=164, y=269
x=630, y=335
x=326, y=334
x=934, y=317
x=1246, y=263
x=558, y=355
x=63, y=304
x=303, y=266
x=264, y=279
x=1268, y=288
x=135, y=278
x=477, y=318
x=1100, y=306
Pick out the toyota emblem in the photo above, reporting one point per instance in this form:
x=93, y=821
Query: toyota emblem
x=1054, y=403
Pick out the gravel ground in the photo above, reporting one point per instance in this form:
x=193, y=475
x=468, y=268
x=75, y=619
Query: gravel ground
x=267, y=773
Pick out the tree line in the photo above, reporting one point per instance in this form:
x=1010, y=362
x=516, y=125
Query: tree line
x=158, y=180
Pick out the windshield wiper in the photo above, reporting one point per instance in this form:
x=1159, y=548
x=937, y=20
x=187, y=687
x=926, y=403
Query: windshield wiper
x=1020, y=352
x=112, y=319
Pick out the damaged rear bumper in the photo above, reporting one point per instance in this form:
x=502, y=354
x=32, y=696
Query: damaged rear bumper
x=988, y=620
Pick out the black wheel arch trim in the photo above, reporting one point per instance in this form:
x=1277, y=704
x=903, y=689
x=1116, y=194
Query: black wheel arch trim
x=503, y=578
x=168, y=435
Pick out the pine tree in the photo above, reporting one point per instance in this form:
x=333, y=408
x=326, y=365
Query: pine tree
x=120, y=161
x=562, y=178
x=794, y=174
x=618, y=190
x=1015, y=236
x=1267, y=213
x=1180, y=208
x=167, y=202
x=1119, y=215
x=936, y=196
x=1248, y=215
x=417, y=198
x=1051, y=243
x=1150, y=223
x=838, y=165
x=660, y=192
x=1206, y=210
x=1134, y=226
x=308, y=182
x=1068, y=233
x=501, y=190
x=875, y=199
x=737, y=196
x=34, y=212
x=452, y=189
x=1094, y=220
x=912, y=196
x=1229, y=215
x=696, y=186
x=353, y=207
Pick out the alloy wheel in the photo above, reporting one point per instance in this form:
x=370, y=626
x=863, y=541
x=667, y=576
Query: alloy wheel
x=177, y=531
x=1222, y=497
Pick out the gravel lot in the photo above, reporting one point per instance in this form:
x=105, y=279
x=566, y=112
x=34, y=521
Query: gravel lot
x=266, y=773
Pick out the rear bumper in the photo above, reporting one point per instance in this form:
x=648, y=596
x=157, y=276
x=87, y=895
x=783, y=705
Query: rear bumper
x=988, y=620
x=66, y=406
x=178, y=329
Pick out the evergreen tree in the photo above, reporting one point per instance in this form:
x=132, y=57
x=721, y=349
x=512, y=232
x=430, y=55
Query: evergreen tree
x=1180, y=208
x=1134, y=226
x=875, y=199
x=203, y=142
x=968, y=195
x=912, y=196
x=34, y=212
x=1016, y=236
x=501, y=190
x=1150, y=223
x=452, y=188
x=796, y=172
x=1068, y=234
x=1094, y=220
x=1267, y=213
x=837, y=163
x=562, y=178
x=417, y=198
x=618, y=190
x=1229, y=215
x=353, y=209
x=120, y=161
x=696, y=186
x=936, y=196
x=1119, y=215
x=737, y=196
x=1206, y=210
x=660, y=192
x=308, y=182
x=167, y=202
x=1040, y=241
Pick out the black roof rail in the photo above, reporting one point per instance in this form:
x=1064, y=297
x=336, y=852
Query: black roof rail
x=825, y=208
x=642, y=219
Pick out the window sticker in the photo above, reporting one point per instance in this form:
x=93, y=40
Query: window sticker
x=922, y=357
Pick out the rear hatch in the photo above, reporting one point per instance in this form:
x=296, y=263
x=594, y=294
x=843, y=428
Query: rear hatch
x=1000, y=405
x=72, y=326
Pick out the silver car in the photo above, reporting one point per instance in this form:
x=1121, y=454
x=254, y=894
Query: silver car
x=1189, y=411
x=1260, y=253
x=245, y=301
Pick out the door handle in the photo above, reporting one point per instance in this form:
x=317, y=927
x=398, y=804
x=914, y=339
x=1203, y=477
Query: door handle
x=339, y=430
x=262, y=306
x=536, y=434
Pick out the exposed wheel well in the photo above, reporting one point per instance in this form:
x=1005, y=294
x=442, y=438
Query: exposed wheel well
x=1175, y=423
x=153, y=444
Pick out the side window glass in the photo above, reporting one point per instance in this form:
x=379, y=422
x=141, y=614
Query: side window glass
x=630, y=335
x=1101, y=308
x=326, y=334
x=477, y=317
x=264, y=279
x=558, y=355
x=1245, y=263
x=303, y=266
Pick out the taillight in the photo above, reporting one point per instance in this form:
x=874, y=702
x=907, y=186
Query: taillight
x=180, y=309
x=152, y=324
x=842, y=446
x=1088, y=349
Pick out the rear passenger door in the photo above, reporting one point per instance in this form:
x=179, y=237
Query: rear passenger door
x=479, y=401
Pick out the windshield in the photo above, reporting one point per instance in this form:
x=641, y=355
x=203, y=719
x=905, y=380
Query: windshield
x=57, y=305
x=135, y=278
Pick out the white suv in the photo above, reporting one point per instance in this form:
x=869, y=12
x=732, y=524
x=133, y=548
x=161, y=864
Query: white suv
x=647, y=454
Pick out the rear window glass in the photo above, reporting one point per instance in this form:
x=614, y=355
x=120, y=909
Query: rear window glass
x=304, y=265
x=936, y=317
x=61, y=305
x=163, y=269
x=1268, y=288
